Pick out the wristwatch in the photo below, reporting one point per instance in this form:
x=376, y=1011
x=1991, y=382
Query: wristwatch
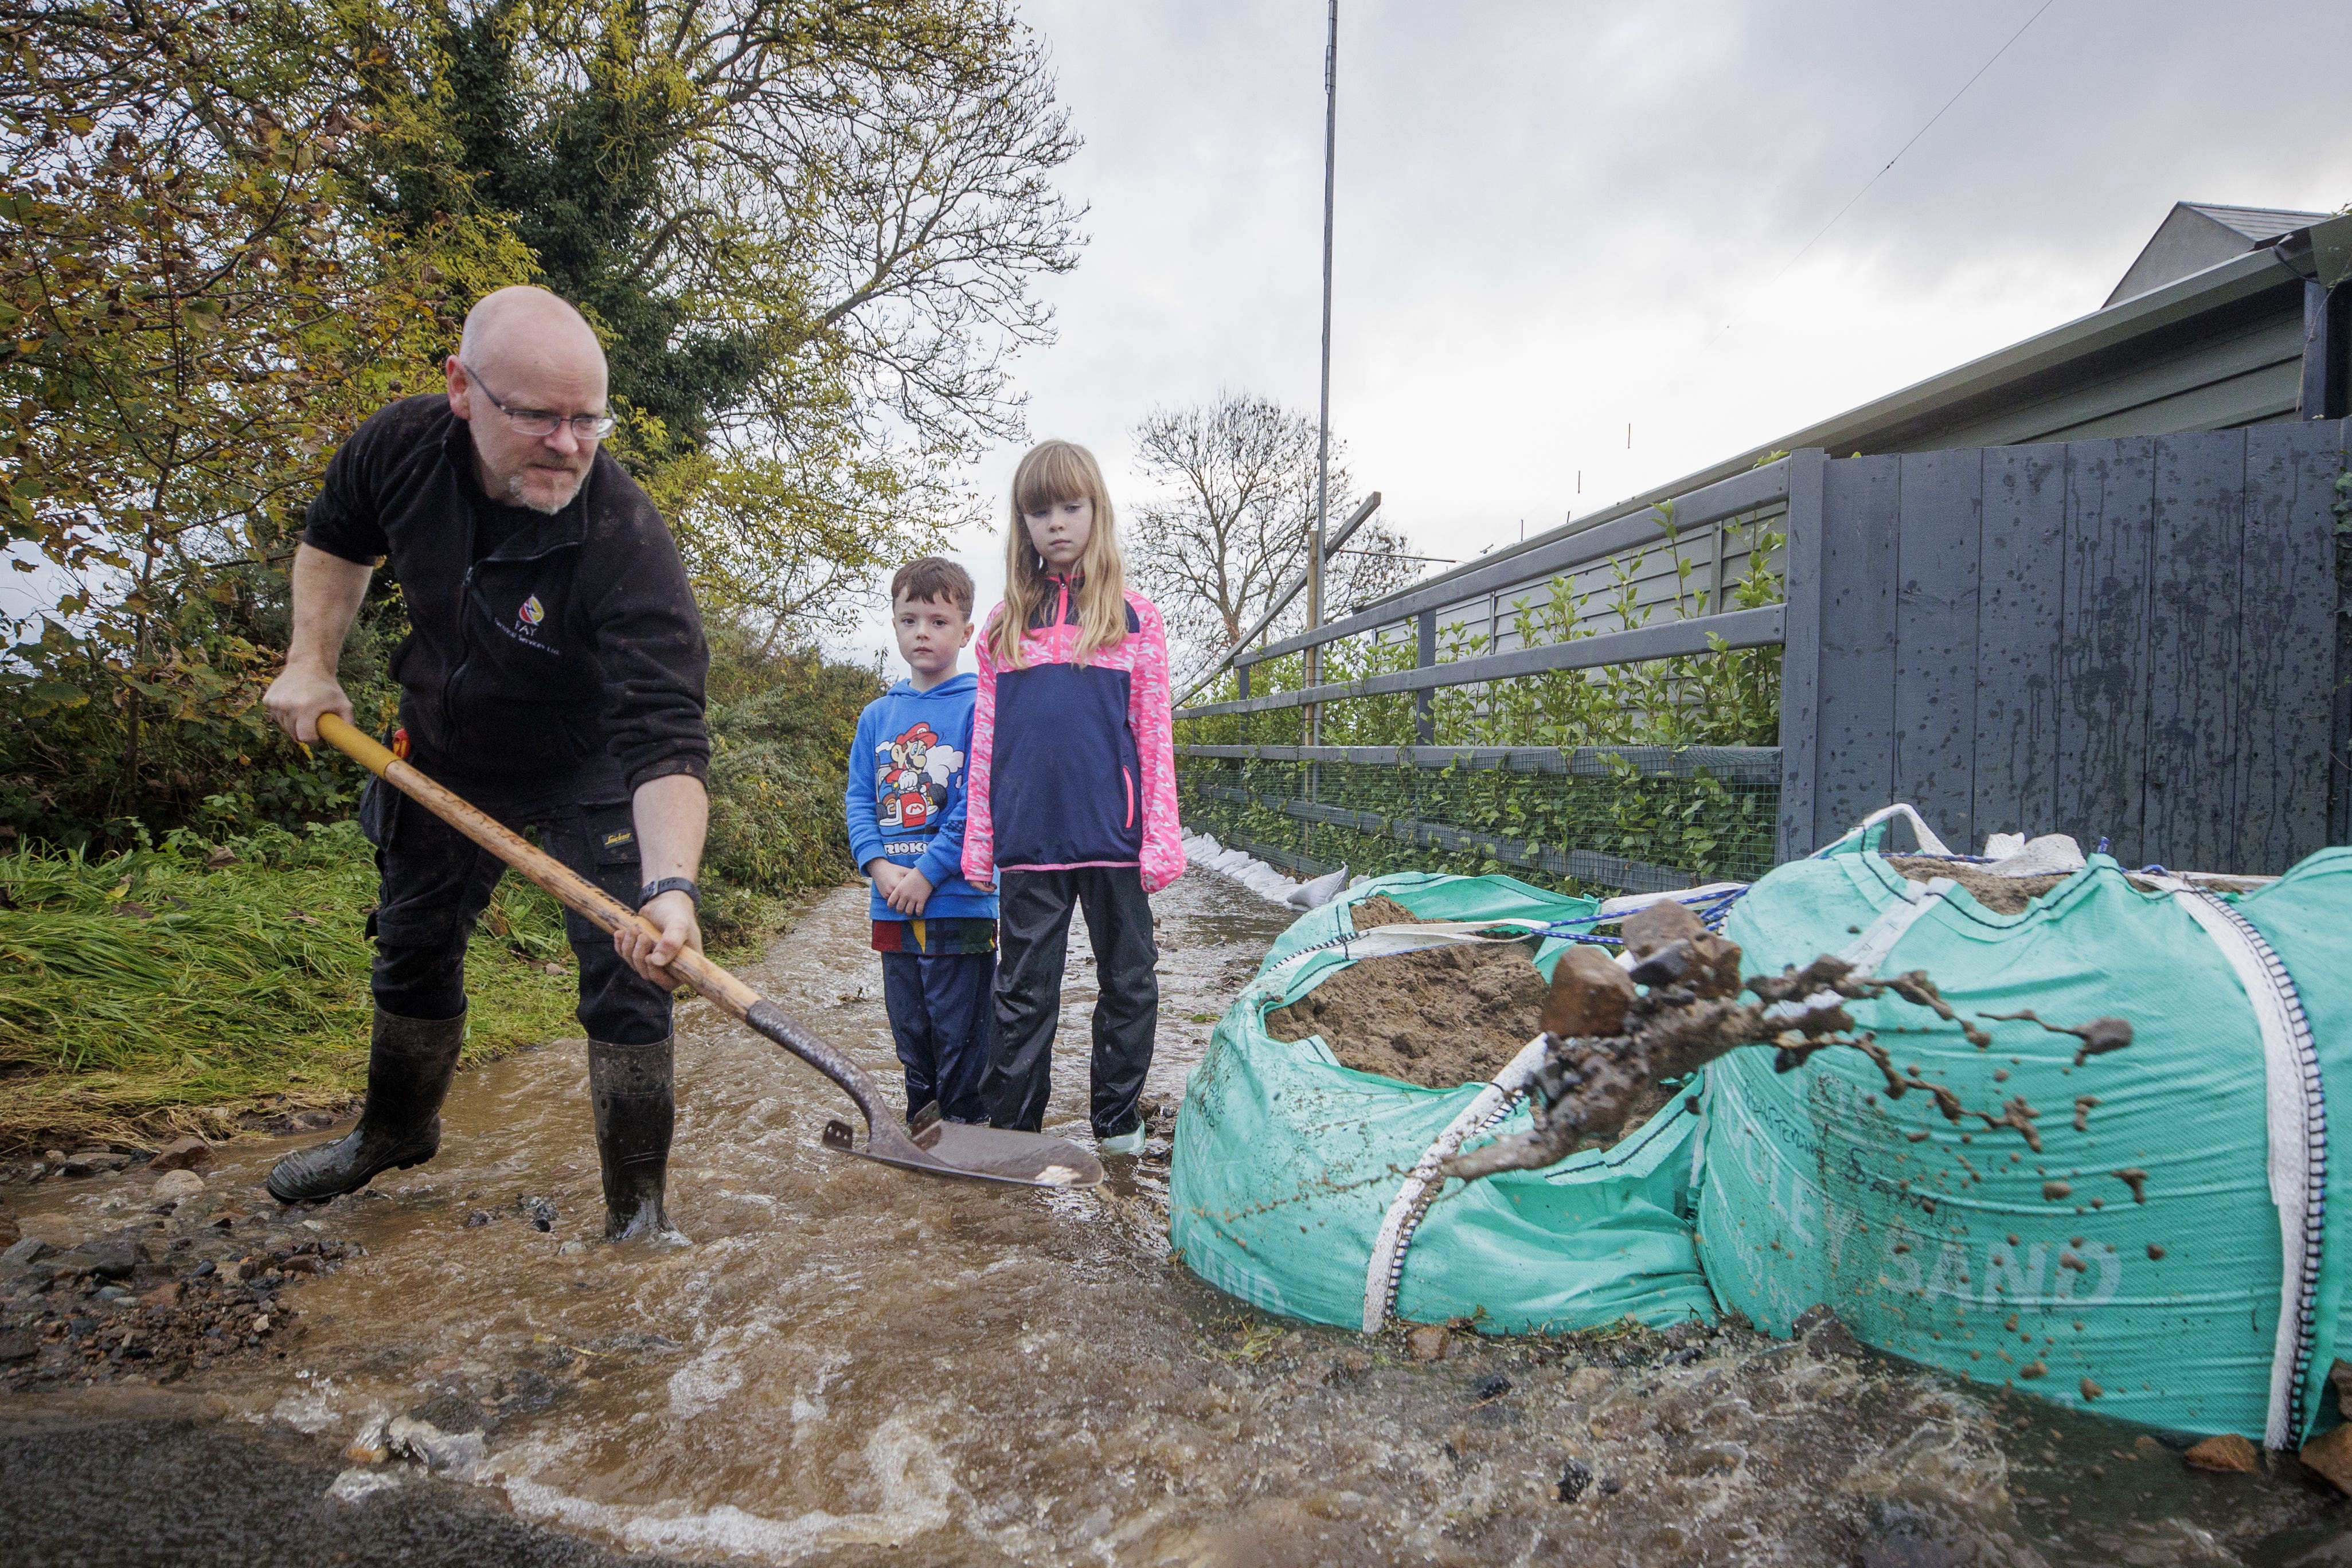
x=684, y=884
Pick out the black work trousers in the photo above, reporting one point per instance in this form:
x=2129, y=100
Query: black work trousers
x=1032, y=935
x=436, y=883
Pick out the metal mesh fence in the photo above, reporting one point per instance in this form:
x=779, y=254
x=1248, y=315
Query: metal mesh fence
x=1618, y=818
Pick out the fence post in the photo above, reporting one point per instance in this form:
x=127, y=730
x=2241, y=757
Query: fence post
x=1800, y=653
x=1425, y=654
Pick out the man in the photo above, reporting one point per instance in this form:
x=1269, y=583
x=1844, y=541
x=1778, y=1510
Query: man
x=552, y=676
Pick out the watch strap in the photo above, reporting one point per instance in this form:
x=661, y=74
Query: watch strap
x=684, y=884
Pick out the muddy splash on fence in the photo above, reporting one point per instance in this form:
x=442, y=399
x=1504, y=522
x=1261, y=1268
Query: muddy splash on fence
x=856, y=1364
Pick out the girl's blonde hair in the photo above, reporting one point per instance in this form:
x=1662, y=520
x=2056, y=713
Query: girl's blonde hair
x=1051, y=473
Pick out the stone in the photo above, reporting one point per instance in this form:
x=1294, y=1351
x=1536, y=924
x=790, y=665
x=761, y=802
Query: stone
x=1589, y=995
x=111, y=1256
x=1647, y=930
x=2228, y=1452
x=93, y=1162
x=189, y=1154
x=1823, y=1334
x=312, y=1121
x=354, y=1484
x=1427, y=1343
x=165, y=1295
x=454, y=1455
x=571, y=1249
x=1707, y=1459
x=175, y=1185
x=1587, y=1381
x=1574, y=1477
x=27, y=1249
x=368, y=1446
x=2330, y=1454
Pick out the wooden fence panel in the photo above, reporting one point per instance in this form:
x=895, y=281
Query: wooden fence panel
x=2018, y=622
x=1860, y=499
x=1936, y=550
x=1801, y=657
x=2103, y=684
x=2281, y=766
x=2196, y=534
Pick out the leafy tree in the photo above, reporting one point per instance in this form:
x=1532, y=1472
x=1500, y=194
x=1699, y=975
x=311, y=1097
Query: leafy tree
x=193, y=312
x=1232, y=521
x=808, y=230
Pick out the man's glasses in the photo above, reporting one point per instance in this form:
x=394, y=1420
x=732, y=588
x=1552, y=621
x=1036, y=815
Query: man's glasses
x=539, y=422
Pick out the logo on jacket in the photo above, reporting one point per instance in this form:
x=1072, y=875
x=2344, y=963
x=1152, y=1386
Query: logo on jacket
x=914, y=773
x=531, y=613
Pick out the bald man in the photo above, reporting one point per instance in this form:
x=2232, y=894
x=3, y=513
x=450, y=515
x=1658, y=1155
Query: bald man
x=553, y=675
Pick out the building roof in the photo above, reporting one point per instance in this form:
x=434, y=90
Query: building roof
x=2197, y=235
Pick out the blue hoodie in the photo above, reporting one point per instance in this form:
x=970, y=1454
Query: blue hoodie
x=908, y=773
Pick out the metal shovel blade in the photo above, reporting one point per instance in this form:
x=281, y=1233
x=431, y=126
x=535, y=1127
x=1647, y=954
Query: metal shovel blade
x=977, y=1153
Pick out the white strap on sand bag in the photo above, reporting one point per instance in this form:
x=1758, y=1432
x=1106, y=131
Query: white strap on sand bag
x=1869, y=950
x=1628, y=904
x=2296, y=1108
x=1493, y=1103
x=1929, y=844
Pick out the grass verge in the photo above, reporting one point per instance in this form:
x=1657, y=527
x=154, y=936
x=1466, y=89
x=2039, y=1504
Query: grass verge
x=177, y=991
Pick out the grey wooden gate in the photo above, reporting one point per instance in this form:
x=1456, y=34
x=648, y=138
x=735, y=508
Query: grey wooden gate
x=2132, y=639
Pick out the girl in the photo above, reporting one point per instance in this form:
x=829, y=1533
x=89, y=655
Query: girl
x=1073, y=793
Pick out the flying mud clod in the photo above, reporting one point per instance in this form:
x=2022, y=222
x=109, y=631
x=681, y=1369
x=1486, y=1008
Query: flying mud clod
x=1610, y=1033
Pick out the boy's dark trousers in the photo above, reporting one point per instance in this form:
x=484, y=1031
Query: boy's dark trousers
x=1032, y=933
x=939, y=1006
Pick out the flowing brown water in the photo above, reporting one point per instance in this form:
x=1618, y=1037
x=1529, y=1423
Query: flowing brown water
x=854, y=1363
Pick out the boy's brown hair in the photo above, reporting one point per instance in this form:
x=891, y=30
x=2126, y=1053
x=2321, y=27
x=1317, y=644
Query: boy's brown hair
x=934, y=577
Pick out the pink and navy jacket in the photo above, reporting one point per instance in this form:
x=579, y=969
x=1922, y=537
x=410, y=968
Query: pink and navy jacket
x=1074, y=765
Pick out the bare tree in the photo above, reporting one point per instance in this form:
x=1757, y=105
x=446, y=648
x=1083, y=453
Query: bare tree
x=1232, y=519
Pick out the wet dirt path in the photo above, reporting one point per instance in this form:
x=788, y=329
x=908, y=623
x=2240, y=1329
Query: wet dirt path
x=853, y=1364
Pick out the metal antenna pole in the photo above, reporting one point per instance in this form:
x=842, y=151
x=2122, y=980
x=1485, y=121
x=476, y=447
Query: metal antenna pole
x=1323, y=420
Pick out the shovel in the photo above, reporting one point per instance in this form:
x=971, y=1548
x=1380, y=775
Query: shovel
x=941, y=1148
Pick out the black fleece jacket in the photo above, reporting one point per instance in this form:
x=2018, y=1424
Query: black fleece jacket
x=576, y=637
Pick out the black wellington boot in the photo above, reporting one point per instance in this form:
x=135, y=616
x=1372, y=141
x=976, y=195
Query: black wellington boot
x=635, y=1091
x=410, y=1063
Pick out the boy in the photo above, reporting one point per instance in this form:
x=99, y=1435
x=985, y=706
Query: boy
x=936, y=932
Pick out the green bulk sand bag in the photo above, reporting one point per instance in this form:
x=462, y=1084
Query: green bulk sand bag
x=2136, y=1264
x=1286, y=1163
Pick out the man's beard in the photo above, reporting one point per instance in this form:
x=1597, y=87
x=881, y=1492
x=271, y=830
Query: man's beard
x=545, y=509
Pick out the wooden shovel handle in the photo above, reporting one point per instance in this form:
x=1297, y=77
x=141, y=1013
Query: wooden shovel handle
x=565, y=886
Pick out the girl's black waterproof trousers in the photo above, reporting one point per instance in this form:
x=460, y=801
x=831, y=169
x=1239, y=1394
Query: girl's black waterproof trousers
x=1032, y=933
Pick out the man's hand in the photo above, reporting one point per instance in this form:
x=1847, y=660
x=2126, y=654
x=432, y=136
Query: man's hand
x=327, y=592
x=299, y=694
x=673, y=914
x=912, y=892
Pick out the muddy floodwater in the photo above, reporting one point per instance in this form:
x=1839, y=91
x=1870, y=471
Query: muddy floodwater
x=856, y=1364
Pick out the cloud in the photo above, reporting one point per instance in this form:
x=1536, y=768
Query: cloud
x=1555, y=219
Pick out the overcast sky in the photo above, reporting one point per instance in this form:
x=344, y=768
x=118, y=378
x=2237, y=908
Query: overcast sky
x=1555, y=219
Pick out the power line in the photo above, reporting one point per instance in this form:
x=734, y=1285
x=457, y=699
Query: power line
x=1890, y=164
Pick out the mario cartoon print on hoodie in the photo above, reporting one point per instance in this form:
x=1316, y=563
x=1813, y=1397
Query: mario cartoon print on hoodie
x=914, y=774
